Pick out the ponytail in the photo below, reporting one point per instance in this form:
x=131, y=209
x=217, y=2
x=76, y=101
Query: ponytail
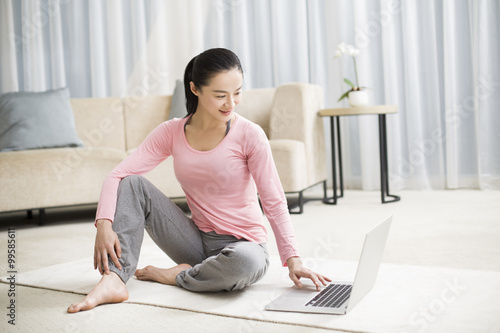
x=191, y=99
x=202, y=68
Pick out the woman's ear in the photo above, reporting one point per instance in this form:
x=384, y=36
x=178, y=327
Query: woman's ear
x=193, y=88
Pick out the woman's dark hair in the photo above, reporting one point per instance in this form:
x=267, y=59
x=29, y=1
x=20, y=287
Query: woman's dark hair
x=205, y=66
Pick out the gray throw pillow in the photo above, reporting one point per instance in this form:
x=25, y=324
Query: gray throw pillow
x=31, y=120
x=178, y=105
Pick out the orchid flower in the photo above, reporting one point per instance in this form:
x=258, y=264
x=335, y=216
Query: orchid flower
x=349, y=50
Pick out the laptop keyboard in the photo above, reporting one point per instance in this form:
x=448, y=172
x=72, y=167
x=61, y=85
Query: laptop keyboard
x=333, y=296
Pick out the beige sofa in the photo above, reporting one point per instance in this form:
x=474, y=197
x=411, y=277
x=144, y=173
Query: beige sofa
x=112, y=127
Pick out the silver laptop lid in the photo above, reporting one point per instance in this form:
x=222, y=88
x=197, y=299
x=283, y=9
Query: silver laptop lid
x=369, y=261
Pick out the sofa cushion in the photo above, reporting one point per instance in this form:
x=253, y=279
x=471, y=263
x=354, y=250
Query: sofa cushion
x=178, y=105
x=142, y=115
x=43, y=178
x=100, y=122
x=33, y=120
x=256, y=106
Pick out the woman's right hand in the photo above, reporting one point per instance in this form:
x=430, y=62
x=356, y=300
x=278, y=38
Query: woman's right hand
x=106, y=243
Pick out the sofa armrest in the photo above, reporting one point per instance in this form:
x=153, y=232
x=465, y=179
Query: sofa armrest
x=294, y=116
x=290, y=159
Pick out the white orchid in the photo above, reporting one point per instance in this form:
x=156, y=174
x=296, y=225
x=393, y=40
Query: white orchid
x=349, y=50
x=346, y=49
x=354, y=52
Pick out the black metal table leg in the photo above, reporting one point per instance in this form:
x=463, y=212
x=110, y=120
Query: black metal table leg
x=384, y=174
x=339, y=149
x=333, y=200
x=41, y=216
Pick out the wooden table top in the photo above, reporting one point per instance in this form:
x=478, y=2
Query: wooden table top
x=358, y=110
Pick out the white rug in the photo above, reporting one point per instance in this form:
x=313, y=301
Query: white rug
x=405, y=298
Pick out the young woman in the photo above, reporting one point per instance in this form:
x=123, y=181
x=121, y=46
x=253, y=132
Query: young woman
x=221, y=160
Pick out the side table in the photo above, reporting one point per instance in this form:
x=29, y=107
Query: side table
x=335, y=114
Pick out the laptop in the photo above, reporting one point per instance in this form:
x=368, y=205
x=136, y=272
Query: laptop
x=340, y=297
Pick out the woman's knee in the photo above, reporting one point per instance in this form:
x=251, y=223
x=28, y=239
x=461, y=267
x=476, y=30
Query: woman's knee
x=246, y=263
x=131, y=180
x=235, y=267
x=133, y=184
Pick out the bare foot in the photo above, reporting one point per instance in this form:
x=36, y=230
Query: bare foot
x=110, y=289
x=162, y=275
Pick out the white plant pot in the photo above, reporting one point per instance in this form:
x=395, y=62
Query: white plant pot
x=358, y=98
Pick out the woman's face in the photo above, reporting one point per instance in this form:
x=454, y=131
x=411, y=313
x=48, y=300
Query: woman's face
x=219, y=98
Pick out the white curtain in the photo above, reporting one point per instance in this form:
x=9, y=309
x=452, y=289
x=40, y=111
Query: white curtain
x=277, y=41
x=437, y=60
x=98, y=48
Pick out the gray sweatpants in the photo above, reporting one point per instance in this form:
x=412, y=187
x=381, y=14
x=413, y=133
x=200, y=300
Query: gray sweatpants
x=220, y=262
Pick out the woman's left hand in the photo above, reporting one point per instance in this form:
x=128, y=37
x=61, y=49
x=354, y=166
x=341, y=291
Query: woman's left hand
x=297, y=271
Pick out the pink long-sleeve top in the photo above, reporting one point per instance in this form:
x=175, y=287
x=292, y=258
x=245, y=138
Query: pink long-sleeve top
x=220, y=184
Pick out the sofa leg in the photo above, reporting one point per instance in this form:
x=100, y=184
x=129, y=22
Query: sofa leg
x=29, y=214
x=300, y=204
x=41, y=217
x=325, y=194
x=302, y=200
